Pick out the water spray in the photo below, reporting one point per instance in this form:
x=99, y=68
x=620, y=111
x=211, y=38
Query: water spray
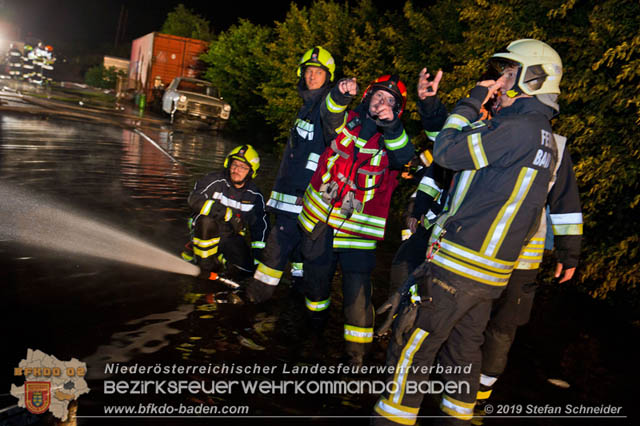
x=32, y=219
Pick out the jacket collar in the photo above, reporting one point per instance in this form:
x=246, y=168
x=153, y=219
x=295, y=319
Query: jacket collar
x=528, y=106
x=310, y=98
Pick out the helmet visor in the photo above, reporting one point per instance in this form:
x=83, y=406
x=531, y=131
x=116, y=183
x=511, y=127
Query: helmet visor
x=534, y=77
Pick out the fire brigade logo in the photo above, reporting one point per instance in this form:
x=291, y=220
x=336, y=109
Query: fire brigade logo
x=50, y=385
x=37, y=396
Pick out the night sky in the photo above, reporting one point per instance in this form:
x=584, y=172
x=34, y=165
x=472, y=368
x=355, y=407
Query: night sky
x=93, y=23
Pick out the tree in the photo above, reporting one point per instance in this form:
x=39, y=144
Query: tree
x=600, y=46
x=236, y=66
x=184, y=22
x=600, y=101
x=600, y=110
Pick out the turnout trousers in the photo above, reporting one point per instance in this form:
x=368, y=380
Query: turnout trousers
x=511, y=310
x=320, y=263
x=449, y=324
x=411, y=253
x=216, y=245
x=283, y=244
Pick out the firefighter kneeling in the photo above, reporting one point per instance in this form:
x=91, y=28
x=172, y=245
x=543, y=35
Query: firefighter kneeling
x=225, y=204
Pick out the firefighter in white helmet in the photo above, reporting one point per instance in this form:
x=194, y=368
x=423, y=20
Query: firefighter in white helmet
x=505, y=165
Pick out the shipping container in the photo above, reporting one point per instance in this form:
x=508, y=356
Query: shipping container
x=158, y=58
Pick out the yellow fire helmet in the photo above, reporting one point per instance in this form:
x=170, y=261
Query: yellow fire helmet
x=318, y=57
x=541, y=66
x=247, y=154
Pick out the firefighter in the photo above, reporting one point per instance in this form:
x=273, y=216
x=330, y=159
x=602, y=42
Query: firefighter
x=503, y=168
x=225, y=204
x=39, y=55
x=513, y=308
x=427, y=201
x=305, y=144
x=27, y=62
x=47, y=66
x=14, y=58
x=346, y=204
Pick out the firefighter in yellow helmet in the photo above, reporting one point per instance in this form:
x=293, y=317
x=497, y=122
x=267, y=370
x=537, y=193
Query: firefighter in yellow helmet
x=14, y=59
x=307, y=141
x=226, y=204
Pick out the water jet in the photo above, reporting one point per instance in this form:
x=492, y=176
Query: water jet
x=30, y=218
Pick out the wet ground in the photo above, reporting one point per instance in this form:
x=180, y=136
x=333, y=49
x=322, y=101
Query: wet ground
x=72, y=306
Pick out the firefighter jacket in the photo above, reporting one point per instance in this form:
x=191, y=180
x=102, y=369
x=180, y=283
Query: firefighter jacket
x=27, y=60
x=428, y=200
x=14, y=57
x=39, y=56
x=431, y=193
x=435, y=181
x=563, y=200
x=352, y=186
x=503, y=169
x=433, y=115
x=305, y=144
x=214, y=195
x=565, y=213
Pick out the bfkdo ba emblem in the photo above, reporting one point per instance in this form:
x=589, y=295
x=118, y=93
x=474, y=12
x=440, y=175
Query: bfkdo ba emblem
x=38, y=396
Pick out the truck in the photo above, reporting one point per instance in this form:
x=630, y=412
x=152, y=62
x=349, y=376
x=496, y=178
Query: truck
x=193, y=99
x=156, y=59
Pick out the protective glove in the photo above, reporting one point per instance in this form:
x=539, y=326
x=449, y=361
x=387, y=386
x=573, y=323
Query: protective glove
x=390, y=124
x=258, y=292
x=405, y=296
x=405, y=322
x=392, y=305
x=237, y=224
x=319, y=230
x=218, y=211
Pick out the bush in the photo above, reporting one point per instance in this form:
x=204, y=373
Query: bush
x=101, y=77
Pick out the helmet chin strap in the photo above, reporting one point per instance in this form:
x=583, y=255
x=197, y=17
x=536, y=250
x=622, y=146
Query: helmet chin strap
x=515, y=90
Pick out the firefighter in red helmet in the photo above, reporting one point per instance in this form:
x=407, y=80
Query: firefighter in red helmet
x=346, y=204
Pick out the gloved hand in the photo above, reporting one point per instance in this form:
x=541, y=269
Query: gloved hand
x=401, y=300
x=237, y=224
x=258, y=292
x=405, y=322
x=218, y=211
x=390, y=123
x=392, y=305
x=319, y=230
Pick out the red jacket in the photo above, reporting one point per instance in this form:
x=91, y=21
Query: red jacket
x=358, y=166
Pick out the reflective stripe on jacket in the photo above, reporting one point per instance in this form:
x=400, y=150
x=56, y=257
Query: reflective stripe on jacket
x=503, y=166
x=358, y=166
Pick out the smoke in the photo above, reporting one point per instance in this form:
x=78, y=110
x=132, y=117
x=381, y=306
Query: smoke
x=29, y=218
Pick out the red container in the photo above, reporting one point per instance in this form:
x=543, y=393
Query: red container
x=159, y=58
